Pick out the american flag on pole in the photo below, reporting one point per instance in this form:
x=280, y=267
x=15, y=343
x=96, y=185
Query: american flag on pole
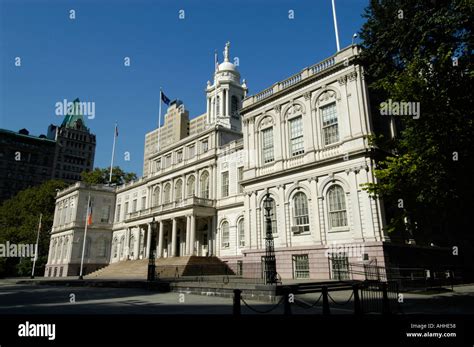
x=89, y=213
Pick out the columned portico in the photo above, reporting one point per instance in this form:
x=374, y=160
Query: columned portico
x=160, y=239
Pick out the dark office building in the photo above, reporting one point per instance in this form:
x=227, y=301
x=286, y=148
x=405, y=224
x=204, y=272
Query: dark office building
x=25, y=161
x=63, y=154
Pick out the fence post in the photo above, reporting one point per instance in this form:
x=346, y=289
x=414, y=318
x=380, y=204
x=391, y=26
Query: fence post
x=237, y=297
x=357, y=306
x=287, y=305
x=385, y=302
x=325, y=301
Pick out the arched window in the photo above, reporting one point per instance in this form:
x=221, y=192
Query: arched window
x=273, y=216
x=241, y=231
x=178, y=190
x=234, y=106
x=337, y=207
x=115, y=247
x=191, y=185
x=205, y=185
x=122, y=244
x=167, y=193
x=156, y=196
x=300, y=217
x=132, y=245
x=225, y=234
x=267, y=145
x=330, y=124
x=218, y=107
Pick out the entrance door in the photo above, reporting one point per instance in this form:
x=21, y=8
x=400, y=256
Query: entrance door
x=205, y=246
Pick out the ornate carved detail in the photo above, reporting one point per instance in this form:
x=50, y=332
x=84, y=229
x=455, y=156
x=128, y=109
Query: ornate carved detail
x=277, y=108
x=294, y=109
x=307, y=95
x=267, y=121
x=352, y=76
x=342, y=80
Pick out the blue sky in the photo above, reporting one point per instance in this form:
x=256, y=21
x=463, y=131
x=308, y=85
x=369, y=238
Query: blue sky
x=65, y=59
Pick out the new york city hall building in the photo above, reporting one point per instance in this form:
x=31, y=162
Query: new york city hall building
x=302, y=142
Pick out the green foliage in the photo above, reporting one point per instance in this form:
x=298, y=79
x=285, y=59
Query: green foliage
x=411, y=59
x=101, y=176
x=19, y=217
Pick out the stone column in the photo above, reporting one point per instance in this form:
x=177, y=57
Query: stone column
x=188, y=235
x=127, y=243
x=148, y=241
x=137, y=246
x=193, y=234
x=209, y=236
x=173, y=238
x=160, y=240
x=214, y=234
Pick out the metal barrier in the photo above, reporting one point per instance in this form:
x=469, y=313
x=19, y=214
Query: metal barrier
x=366, y=297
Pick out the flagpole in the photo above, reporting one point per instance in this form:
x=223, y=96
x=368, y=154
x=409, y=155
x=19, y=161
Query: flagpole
x=85, y=235
x=113, y=154
x=159, y=121
x=335, y=25
x=36, y=248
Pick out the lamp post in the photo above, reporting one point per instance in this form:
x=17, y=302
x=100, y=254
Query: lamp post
x=151, y=257
x=270, y=261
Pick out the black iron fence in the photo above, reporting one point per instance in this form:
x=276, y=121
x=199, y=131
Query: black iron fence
x=369, y=297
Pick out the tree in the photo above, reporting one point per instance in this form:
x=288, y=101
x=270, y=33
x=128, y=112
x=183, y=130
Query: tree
x=421, y=51
x=19, y=218
x=101, y=176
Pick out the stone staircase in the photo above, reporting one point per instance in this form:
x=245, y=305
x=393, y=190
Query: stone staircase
x=167, y=268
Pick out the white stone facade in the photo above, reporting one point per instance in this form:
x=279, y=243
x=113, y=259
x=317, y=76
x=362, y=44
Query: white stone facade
x=302, y=142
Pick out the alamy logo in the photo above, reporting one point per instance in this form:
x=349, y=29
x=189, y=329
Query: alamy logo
x=400, y=108
x=37, y=330
x=76, y=107
x=14, y=250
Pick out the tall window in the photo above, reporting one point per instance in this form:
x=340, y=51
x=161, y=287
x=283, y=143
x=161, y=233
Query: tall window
x=225, y=184
x=168, y=161
x=179, y=157
x=122, y=246
x=337, y=207
x=125, y=212
x=158, y=164
x=117, y=216
x=204, y=145
x=104, y=218
x=241, y=231
x=330, y=125
x=241, y=177
x=267, y=145
x=143, y=205
x=191, y=151
x=167, y=193
x=178, y=190
x=134, y=205
x=234, y=106
x=156, y=196
x=301, y=218
x=102, y=247
x=225, y=234
x=218, y=107
x=205, y=185
x=273, y=217
x=296, y=136
x=191, y=186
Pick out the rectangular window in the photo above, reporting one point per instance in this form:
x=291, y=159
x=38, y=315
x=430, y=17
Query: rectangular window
x=179, y=157
x=204, y=146
x=267, y=145
x=225, y=184
x=240, y=268
x=300, y=266
x=191, y=151
x=296, y=136
x=158, y=165
x=330, y=125
x=125, y=211
x=104, y=218
x=168, y=161
x=117, y=215
x=241, y=177
x=134, y=205
x=143, y=205
x=339, y=266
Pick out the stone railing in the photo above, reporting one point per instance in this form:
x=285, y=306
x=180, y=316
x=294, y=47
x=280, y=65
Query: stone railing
x=187, y=202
